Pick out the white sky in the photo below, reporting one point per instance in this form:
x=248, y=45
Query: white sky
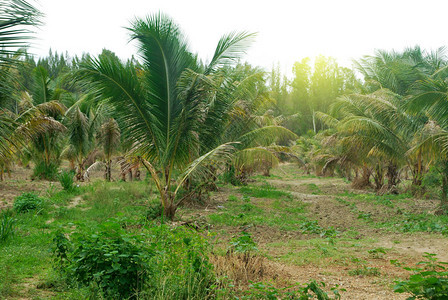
x=287, y=30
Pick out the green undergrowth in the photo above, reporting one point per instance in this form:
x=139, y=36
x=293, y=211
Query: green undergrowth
x=282, y=213
x=417, y=223
x=264, y=191
x=387, y=200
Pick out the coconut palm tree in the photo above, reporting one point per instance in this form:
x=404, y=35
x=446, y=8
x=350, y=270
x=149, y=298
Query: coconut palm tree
x=109, y=139
x=431, y=98
x=161, y=106
x=16, y=16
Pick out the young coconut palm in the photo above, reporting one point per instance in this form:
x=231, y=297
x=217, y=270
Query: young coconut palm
x=109, y=139
x=162, y=105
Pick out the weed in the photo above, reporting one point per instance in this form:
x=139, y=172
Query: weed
x=421, y=223
x=66, y=179
x=45, y=171
x=365, y=216
x=428, y=281
x=27, y=202
x=115, y=261
x=311, y=227
x=243, y=243
x=233, y=198
x=7, y=223
x=264, y=191
x=154, y=211
x=314, y=188
x=377, y=252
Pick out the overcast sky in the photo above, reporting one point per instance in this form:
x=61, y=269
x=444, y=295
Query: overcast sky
x=287, y=30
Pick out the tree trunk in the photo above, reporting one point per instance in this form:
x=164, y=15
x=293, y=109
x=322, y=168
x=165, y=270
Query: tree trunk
x=393, y=178
x=266, y=172
x=169, y=208
x=363, y=181
x=378, y=177
x=107, y=173
x=137, y=174
x=443, y=209
x=79, y=176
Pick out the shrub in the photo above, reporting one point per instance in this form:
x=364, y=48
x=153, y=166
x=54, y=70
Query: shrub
x=44, y=171
x=66, y=179
x=154, y=211
x=114, y=261
x=27, y=202
x=233, y=198
x=7, y=222
x=243, y=243
x=159, y=263
x=428, y=281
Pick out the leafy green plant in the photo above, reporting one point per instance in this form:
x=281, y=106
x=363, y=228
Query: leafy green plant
x=314, y=188
x=45, y=171
x=154, y=210
x=422, y=223
x=377, y=252
x=7, y=223
x=66, y=180
x=27, y=202
x=233, y=198
x=180, y=266
x=311, y=227
x=428, y=281
x=243, y=243
x=365, y=216
x=114, y=260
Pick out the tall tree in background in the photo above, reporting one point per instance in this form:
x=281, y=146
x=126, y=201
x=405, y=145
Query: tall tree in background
x=314, y=89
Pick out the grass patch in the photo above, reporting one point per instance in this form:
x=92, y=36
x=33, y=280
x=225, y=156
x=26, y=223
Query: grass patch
x=365, y=271
x=264, y=191
x=417, y=223
x=283, y=214
x=383, y=199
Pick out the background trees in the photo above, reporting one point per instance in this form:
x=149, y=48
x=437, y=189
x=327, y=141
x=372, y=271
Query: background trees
x=180, y=117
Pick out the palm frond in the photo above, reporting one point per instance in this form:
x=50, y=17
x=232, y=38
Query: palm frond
x=229, y=49
x=265, y=136
x=198, y=167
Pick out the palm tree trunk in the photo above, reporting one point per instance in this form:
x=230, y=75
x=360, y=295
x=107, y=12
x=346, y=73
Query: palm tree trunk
x=378, y=177
x=443, y=209
x=79, y=173
x=169, y=207
x=107, y=174
x=392, y=175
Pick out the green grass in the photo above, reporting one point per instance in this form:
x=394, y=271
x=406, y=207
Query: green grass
x=26, y=256
x=386, y=200
x=264, y=191
x=282, y=213
x=314, y=189
x=365, y=271
x=417, y=223
x=318, y=252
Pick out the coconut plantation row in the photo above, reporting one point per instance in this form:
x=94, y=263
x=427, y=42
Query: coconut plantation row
x=165, y=176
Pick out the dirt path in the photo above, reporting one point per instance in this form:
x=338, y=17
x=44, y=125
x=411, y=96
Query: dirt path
x=320, y=195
